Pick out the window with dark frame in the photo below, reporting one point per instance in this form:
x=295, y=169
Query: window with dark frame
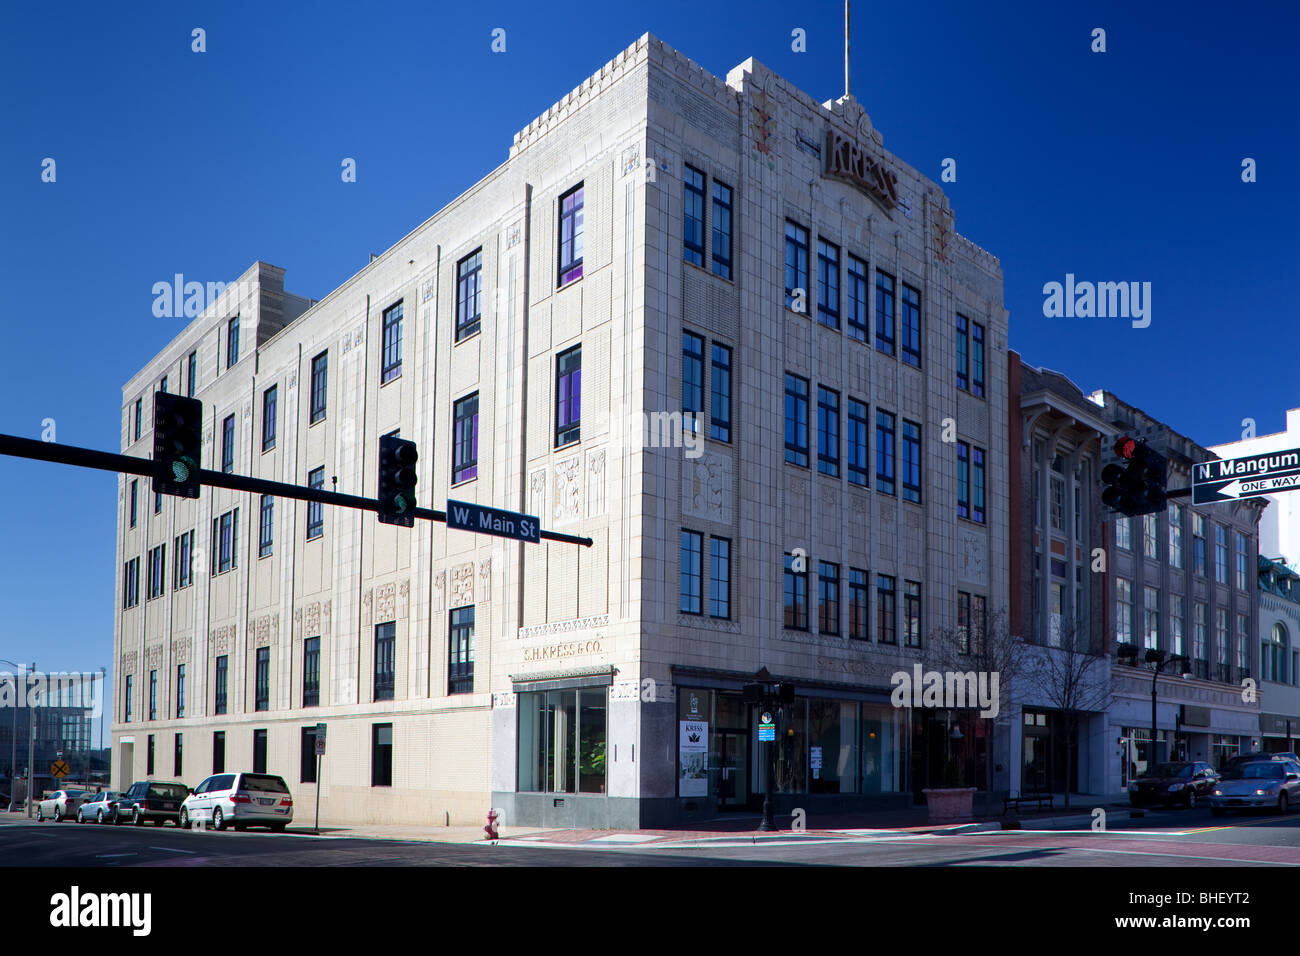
x=692, y=570
x=269, y=401
x=977, y=359
x=721, y=252
x=796, y=595
x=266, y=527
x=180, y=690
x=796, y=266
x=228, y=444
x=828, y=284
x=157, y=502
x=692, y=381
x=315, y=510
x=693, y=216
x=720, y=578
x=568, y=397
x=311, y=672
x=886, y=610
x=885, y=452
x=469, y=295
x=319, y=386
x=720, y=396
x=126, y=699
x=220, y=680
x=191, y=374
x=464, y=445
x=385, y=660
x=910, y=326
x=912, y=613
x=571, y=235
x=963, y=352
x=148, y=757
x=307, y=755
x=856, y=301
x=796, y=420
x=259, y=751
x=858, y=605
x=381, y=755
x=828, y=598
x=162, y=386
x=262, y=680
x=884, y=312
x=977, y=484
x=963, y=622
x=139, y=417
x=225, y=531
x=392, y=359
x=460, y=668
x=911, y=461
x=828, y=431
x=131, y=583
x=232, y=342
x=963, y=480
x=219, y=751
x=135, y=499
x=157, y=572
x=153, y=695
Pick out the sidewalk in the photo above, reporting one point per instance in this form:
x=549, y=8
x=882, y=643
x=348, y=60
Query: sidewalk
x=913, y=821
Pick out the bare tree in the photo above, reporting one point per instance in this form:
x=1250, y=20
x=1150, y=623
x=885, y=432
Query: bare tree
x=986, y=647
x=1073, y=677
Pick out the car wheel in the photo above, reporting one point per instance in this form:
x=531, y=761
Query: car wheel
x=1282, y=803
x=136, y=819
x=99, y=817
x=40, y=814
x=184, y=822
x=218, y=819
x=1191, y=800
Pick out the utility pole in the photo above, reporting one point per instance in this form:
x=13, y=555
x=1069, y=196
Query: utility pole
x=31, y=746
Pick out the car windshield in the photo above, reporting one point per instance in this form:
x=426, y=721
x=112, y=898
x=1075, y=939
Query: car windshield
x=168, y=791
x=263, y=782
x=1170, y=770
x=1257, y=771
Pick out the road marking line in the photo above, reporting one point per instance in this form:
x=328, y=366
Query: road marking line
x=105, y=856
x=171, y=849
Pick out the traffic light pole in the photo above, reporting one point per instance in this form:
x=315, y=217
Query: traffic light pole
x=16, y=447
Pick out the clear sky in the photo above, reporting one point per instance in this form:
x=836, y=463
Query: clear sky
x=1117, y=166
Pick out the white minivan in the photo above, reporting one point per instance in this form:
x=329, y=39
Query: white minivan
x=241, y=800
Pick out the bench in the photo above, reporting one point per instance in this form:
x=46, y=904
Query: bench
x=1018, y=800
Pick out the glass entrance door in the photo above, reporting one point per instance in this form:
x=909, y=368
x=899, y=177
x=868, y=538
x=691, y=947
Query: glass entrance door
x=733, y=769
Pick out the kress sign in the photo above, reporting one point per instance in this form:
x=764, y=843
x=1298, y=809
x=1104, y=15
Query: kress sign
x=846, y=160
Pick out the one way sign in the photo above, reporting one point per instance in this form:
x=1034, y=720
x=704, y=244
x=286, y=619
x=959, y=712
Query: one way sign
x=1233, y=478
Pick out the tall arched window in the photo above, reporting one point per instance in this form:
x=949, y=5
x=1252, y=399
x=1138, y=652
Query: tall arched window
x=1275, y=654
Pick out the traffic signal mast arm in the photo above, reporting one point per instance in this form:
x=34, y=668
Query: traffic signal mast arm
x=16, y=447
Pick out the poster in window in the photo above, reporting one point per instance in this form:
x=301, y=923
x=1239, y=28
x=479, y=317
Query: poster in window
x=693, y=752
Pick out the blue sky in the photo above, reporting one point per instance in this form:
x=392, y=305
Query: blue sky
x=1117, y=166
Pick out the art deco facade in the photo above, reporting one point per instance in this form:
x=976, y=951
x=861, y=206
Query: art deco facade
x=662, y=242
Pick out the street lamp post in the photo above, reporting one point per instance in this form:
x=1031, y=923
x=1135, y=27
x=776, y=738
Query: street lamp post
x=1159, y=661
x=31, y=748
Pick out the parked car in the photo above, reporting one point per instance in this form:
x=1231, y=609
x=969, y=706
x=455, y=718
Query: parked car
x=60, y=805
x=151, y=800
x=1186, y=783
x=1254, y=757
x=99, y=807
x=1261, y=784
x=240, y=799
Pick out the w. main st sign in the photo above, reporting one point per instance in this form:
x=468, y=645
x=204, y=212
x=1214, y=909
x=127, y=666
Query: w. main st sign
x=1233, y=478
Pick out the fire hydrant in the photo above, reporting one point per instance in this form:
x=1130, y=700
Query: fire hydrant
x=491, y=828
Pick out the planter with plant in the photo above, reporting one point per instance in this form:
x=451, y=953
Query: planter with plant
x=951, y=803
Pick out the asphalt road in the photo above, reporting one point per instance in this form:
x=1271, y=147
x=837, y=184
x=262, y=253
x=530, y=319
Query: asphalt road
x=1165, y=839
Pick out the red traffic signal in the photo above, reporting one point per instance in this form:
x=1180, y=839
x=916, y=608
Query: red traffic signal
x=1125, y=447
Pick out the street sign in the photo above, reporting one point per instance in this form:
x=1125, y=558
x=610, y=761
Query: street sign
x=484, y=520
x=1231, y=479
x=60, y=769
x=320, y=740
x=766, y=728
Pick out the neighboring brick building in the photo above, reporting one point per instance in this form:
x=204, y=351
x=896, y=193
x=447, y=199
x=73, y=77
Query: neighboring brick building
x=644, y=252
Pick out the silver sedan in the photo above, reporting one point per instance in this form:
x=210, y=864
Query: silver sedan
x=1260, y=785
x=99, y=807
x=60, y=805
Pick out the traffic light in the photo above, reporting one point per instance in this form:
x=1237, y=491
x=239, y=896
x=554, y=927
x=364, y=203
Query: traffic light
x=1138, y=487
x=397, y=458
x=177, y=444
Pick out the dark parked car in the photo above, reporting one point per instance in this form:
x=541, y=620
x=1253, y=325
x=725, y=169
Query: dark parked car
x=1186, y=783
x=151, y=800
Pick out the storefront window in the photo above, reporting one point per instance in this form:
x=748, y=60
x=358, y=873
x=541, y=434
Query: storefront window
x=832, y=749
x=562, y=741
